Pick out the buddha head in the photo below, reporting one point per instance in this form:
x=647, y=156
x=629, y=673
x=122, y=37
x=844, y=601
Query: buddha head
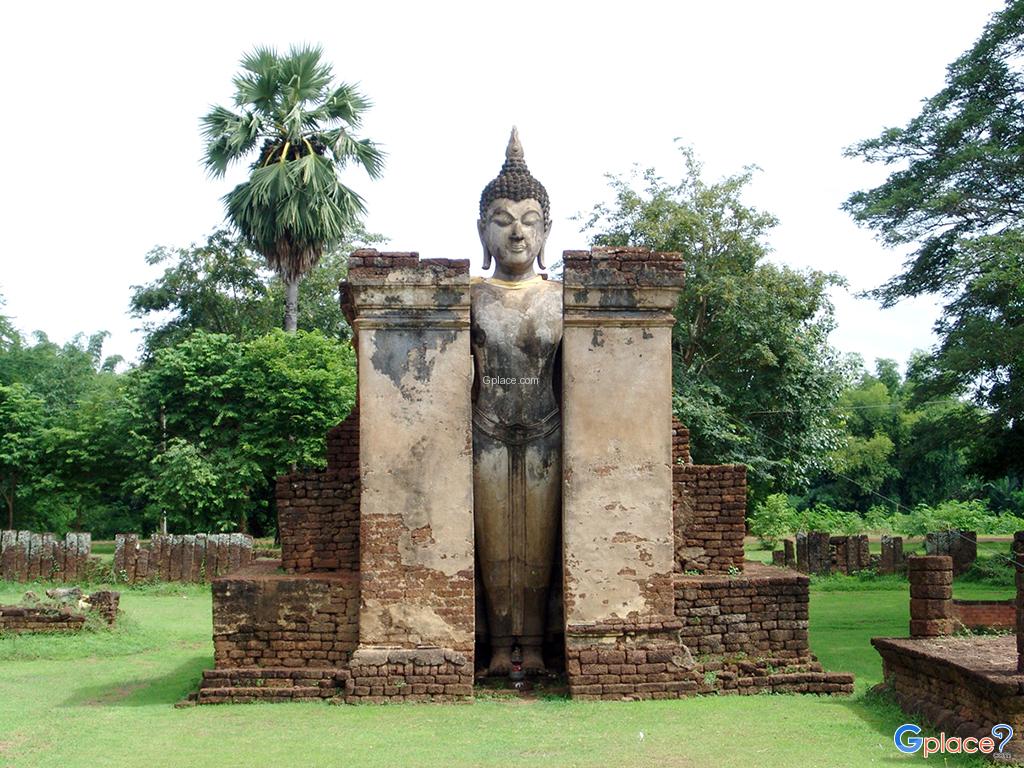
x=515, y=217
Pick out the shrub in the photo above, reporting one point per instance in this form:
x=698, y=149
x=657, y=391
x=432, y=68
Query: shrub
x=773, y=519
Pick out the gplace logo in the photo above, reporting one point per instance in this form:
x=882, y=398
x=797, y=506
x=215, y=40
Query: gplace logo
x=952, y=745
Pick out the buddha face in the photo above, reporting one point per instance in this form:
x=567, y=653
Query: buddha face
x=513, y=234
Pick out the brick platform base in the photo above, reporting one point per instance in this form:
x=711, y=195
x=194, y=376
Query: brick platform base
x=738, y=634
x=243, y=686
x=17, y=619
x=961, y=685
x=380, y=675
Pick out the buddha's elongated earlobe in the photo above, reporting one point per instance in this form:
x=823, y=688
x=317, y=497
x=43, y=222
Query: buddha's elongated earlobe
x=481, y=226
x=540, y=254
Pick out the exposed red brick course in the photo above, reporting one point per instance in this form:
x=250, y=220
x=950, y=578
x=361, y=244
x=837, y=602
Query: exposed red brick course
x=961, y=685
x=318, y=513
x=262, y=618
x=710, y=503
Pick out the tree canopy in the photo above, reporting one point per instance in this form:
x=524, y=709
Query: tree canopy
x=755, y=379
x=955, y=198
x=223, y=287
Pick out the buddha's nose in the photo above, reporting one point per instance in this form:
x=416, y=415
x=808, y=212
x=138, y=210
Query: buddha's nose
x=517, y=230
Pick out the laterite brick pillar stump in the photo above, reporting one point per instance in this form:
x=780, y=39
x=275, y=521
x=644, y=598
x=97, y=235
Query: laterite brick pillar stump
x=931, y=595
x=618, y=532
x=1018, y=563
x=891, y=560
x=417, y=610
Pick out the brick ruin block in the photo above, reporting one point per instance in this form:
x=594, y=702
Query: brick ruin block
x=1018, y=564
x=188, y=558
x=892, y=559
x=958, y=685
x=813, y=552
x=318, y=513
x=710, y=517
x=931, y=595
x=618, y=528
x=962, y=546
x=262, y=618
x=744, y=635
x=763, y=612
x=789, y=552
x=28, y=556
x=411, y=324
x=850, y=554
x=105, y=603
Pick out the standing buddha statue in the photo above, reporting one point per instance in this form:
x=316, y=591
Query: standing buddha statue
x=516, y=334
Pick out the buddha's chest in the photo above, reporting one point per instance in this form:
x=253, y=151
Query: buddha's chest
x=516, y=328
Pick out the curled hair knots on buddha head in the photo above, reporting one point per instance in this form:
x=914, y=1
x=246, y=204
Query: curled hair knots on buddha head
x=515, y=182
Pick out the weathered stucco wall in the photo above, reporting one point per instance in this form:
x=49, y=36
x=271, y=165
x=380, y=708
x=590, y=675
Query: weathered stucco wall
x=415, y=377
x=617, y=495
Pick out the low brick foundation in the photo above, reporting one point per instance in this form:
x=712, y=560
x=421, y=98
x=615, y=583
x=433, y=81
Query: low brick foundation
x=763, y=612
x=961, y=685
x=16, y=619
x=379, y=675
x=730, y=634
x=262, y=618
x=985, y=614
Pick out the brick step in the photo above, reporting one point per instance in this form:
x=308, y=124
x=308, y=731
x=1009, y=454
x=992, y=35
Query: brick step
x=249, y=694
x=273, y=677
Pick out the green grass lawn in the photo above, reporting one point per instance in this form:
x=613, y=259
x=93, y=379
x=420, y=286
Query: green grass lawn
x=106, y=699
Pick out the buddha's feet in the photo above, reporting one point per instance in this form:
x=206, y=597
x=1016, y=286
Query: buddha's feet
x=501, y=662
x=533, y=661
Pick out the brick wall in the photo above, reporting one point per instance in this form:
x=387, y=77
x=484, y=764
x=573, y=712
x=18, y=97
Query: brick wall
x=986, y=614
x=262, y=618
x=850, y=553
x=380, y=675
x=709, y=507
x=318, y=513
x=17, y=619
x=760, y=613
x=27, y=556
x=680, y=443
x=961, y=685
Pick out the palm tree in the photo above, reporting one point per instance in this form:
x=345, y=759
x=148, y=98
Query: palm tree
x=293, y=206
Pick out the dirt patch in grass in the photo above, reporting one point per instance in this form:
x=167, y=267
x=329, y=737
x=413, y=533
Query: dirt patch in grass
x=114, y=695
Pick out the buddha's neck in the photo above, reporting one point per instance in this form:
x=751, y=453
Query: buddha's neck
x=513, y=277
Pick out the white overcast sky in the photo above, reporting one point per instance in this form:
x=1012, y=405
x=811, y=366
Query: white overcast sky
x=102, y=101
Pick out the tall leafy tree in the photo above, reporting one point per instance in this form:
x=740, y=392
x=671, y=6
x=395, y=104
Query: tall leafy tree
x=21, y=421
x=300, y=125
x=221, y=286
x=955, y=202
x=755, y=379
x=219, y=420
